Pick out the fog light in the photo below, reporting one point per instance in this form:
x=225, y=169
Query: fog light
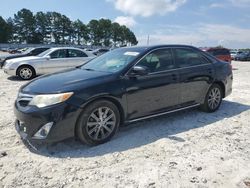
x=43, y=131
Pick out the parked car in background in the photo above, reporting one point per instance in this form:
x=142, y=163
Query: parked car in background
x=27, y=52
x=52, y=60
x=4, y=49
x=244, y=56
x=122, y=86
x=100, y=51
x=234, y=53
x=220, y=53
x=15, y=51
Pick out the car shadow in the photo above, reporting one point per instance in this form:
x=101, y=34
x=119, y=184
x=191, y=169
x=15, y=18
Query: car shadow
x=15, y=78
x=144, y=132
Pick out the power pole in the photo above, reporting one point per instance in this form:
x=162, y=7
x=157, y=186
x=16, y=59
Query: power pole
x=148, y=40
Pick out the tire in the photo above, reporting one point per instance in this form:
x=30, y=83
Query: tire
x=26, y=72
x=93, y=128
x=213, y=99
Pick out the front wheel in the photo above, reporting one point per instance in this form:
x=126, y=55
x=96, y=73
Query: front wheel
x=213, y=99
x=26, y=72
x=98, y=123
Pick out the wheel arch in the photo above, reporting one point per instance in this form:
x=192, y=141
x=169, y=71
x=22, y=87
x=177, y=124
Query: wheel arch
x=107, y=98
x=222, y=85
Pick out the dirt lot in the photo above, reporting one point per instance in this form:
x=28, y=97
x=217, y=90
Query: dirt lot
x=185, y=149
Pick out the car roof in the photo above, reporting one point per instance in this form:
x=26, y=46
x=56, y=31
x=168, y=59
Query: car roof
x=51, y=50
x=61, y=48
x=151, y=47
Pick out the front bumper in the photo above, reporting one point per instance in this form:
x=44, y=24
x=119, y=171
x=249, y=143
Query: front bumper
x=30, y=119
x=11, y=72
x=1, y=64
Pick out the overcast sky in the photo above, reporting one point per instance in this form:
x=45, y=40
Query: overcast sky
x=196, y=22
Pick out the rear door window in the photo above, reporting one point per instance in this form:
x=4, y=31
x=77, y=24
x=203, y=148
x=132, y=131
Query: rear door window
x=76, y=53
x=188, y=57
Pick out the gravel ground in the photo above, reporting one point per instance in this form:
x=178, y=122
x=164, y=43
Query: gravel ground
x=185, y=149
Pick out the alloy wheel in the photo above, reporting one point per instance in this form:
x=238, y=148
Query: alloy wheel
x=101, y=123
x=26, y=73
x=214, y=98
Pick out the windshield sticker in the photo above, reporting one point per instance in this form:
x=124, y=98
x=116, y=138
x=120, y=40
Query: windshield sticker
x=131, y=53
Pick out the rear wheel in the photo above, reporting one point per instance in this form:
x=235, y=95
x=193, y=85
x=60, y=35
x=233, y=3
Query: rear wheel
x=213, y=99
x=98, y=123
x=26, y=72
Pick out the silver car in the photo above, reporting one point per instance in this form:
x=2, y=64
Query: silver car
x=52, y=60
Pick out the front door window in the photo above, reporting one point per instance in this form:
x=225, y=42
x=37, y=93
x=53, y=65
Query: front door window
x=58, y=54
x=158, y=60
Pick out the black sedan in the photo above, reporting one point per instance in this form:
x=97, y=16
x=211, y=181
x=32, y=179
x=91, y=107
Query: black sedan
x=122, y=86
x=28, y=52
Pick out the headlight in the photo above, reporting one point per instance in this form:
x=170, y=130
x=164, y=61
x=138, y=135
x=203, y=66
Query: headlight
x=8, y=64
x=50, y=99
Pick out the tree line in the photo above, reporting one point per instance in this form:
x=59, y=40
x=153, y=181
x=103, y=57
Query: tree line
x=56, y=28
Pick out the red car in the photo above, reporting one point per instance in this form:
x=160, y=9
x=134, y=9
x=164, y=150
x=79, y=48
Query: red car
x=221, y=53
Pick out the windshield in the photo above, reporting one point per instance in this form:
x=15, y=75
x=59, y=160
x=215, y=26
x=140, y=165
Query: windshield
x=113, y=61
x=45, y=53
x=28, y=50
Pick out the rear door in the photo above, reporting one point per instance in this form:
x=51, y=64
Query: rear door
x=196, y=75
x=156, y=92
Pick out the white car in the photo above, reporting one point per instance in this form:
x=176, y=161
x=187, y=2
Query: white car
x=52, y=60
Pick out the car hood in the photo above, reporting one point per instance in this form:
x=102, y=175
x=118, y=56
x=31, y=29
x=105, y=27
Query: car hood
x=21, y=59
x=65, y=81
x=10, y=56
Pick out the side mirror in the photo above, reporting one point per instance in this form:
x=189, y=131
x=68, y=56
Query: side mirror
x=139, y=71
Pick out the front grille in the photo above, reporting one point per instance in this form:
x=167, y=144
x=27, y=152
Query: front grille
x=23, y=100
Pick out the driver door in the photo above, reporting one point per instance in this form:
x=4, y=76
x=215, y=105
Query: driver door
x=156, y=92
x=58, y=61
